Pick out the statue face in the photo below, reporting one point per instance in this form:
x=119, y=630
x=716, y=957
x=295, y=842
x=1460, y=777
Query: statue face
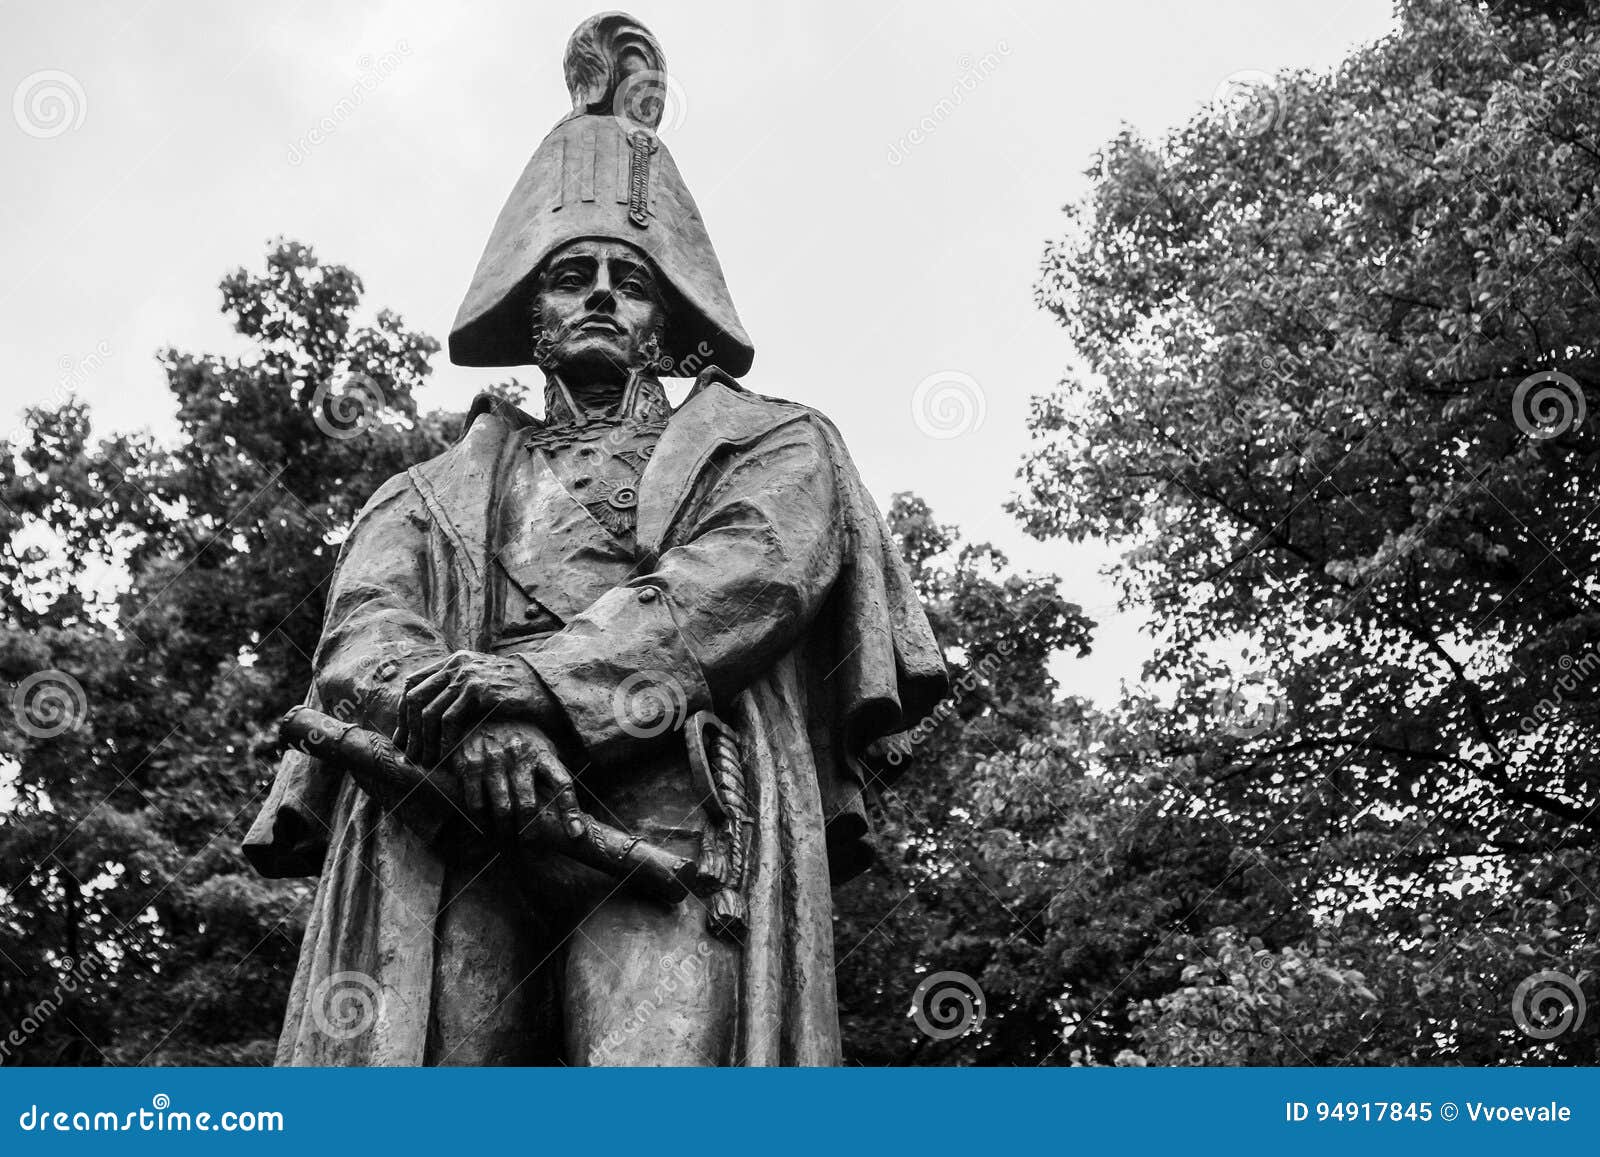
x=598, y=302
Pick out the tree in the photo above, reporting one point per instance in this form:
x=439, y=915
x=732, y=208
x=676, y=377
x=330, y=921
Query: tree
x=132, y=929
x=1342, y=344
x=936, y=901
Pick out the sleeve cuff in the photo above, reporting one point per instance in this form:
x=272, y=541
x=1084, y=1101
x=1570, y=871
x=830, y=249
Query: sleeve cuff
x=622, y=673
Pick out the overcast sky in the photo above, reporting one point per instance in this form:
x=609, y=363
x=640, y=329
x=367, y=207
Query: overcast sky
x=879, y=181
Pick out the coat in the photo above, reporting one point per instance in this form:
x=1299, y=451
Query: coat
x=777, y=599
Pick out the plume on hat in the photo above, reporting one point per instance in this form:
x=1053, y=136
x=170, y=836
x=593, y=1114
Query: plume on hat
x=604, y=56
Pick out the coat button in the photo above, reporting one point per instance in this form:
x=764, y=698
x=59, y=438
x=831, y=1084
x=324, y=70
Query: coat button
x=531, y=611
x=386, y=671
x=649, y=595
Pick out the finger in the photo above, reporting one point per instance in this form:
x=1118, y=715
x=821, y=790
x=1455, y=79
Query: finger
x=498, y=790
x=410, y=704
x=562, y=793
x=425, y=689
x=524, y=793
x=428, y=724
x=469, y=771
x=457, y=722
x=421, y=746
x=426, y=671
x=411, y=722
x=419, y=697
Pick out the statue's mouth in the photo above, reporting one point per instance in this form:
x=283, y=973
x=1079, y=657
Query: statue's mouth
x=597, y=323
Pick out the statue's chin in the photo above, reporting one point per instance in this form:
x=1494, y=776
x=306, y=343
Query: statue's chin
x=597, y=358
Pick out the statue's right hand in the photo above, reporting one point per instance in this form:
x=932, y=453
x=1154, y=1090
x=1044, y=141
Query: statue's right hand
x=509, y=772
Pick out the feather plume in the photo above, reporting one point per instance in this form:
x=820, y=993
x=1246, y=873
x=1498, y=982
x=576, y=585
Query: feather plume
x=612, y=55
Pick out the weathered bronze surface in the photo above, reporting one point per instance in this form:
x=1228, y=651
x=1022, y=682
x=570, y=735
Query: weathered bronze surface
x=619, y=635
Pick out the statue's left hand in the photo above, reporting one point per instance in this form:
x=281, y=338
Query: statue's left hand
x=445, y=700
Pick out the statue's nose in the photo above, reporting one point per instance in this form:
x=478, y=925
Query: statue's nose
x=601, y=298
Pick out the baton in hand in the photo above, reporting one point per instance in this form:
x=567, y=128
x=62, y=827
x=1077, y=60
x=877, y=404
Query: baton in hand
x=385, y=773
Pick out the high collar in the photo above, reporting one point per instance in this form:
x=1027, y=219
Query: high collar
x=642, y=398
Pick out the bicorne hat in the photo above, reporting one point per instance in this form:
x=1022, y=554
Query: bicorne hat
x=603, y=172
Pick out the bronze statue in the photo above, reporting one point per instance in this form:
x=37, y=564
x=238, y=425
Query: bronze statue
x=577, y=662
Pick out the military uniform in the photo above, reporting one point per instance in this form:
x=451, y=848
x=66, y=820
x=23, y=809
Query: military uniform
x=585, y=968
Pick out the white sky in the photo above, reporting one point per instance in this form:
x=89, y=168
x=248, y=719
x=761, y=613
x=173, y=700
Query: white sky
x=857, y=278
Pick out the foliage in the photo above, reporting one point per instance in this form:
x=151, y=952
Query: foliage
x=126, y=901
x=1308, y=323
x=936, y=900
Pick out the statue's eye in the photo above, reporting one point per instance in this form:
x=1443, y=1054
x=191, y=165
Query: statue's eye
x=570, y=279
x=635, y=287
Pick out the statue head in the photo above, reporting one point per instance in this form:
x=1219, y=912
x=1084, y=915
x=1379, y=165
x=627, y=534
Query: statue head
x=602, y=176
x=598, y=312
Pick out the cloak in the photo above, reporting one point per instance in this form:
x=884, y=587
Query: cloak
x=773, y=593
